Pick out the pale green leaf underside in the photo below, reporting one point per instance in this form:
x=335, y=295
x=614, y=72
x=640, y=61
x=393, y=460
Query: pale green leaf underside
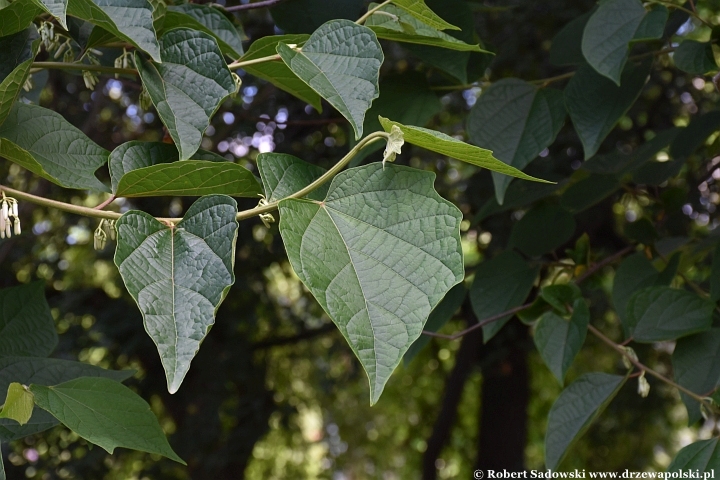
x=18, y=404
x=56, y=8
x=179, y=276
x=278, y=73
x=131, y=20
x=282, y=175
x=516, y=121
x=341, y=62
x=378, y=254
x=17, y=53
x=188, y=87
x=392, y=23
x=703, y=455
x=608, y=33
x=209, y=20
x=106, y=413
x=574, y=410
x=46, y=144
x=446, y=145
x=422, y=12
x=43, y=371
x=190, y=178
x=26, y=324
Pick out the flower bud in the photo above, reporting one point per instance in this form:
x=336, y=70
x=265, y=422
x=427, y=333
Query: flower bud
x=17, y=226
x=643, y=386
x=8, y=231
x=5, y=212
x=15, y=209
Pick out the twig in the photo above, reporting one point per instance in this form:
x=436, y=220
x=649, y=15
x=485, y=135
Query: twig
x=362, y=19
x=106, y=203
x=250, y=6
x=607, y=261
x=482, y=322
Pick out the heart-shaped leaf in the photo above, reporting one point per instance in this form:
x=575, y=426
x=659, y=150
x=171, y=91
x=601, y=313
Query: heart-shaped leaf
x=179, y=275
x=702, y=456
x=18, y=404
x=207, y=19
x=131, y=20
x=341, y=62
x=282, y=175
x=26, y=324
x=188, y=87
x=695, y=57
x=17, y=53
x=379, y=253
x=559, y=340
x=106, y=413
x=44, y=371
x=516, y=121
x=46, y=144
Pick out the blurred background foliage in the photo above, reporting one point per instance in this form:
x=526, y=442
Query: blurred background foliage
x=275, y=392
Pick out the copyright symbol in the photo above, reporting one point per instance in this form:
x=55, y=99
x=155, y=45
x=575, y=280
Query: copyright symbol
x=478, y=474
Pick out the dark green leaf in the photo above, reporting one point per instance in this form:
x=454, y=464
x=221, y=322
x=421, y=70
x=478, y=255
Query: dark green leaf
x=703, y=455
x=446, y=145
x=516, y=121
x=634, y=273
x=642, y=231
x=543, y=229
x=608, y=33
x=668, y=274
x=648, y=150
x=179, y=275
x=44, y=371
x=500, y=284
x=696, y=366
x=26, y=324
x=695, y=57
x=653, y=24
x=305, y=16
x=694, y=135
x=188, y=87
x=46, y=144
x=282, y=175
x=131, y=20
x=190, y=178
x=341, y=62
x=17, y=16
x=278, y=73
x=422, y=12
x=519, y=194
x=17, y=53
x=208, y=19
x=559, y=340
x=437, y=319
x=396, y=253
x=18, y=404
x=595, y=104
x=655, y=173
x=588, y=192
x=715, y=275
x=560, y=296
x=655, y=314
x=575, y=410
x=106, y=413
x=566, y=48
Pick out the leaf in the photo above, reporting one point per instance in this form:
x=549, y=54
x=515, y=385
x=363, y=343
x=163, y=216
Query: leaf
x=210, y=20
x=396, y=252
x=282, y=175
x=703, y=455
x=608, y=33
x=179, y=275
x=574, y=411
x=17, y=53
x=306, y=16
x=652, y=26
x=131, y=20
x=694, y=135
x=106, y=413
x=634, y=273
x=446, y=145
x=500, y=284
x=559, y=340
x=393, y=23
x=519, y=194
x=542, y=230
x=16, y=17
x=516, y=121
x=715, y=275
x=696, y=366
x=56, y=8
x=188, y=87
x=46, y=144
x=419, y=10
x=43, y=371
x=695, y=57
x=341, y=62
x=278, y=73
x=588, y=192
x=189, y=178
x=18, y=404
x=595, y=104
x=560, y=296
x=26, y=324
x=655, y=314
x=440, y=315
x=566, y=48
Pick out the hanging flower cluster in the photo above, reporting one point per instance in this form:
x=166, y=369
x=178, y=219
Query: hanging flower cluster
x=8, y=209
x=105, y=230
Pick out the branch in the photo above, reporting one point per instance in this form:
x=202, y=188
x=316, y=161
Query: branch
x=238, y=64
x=251, y=6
